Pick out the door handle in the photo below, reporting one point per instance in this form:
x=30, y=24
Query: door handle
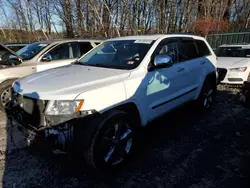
x=203, y=62
x=180, y=69
x=33, y=68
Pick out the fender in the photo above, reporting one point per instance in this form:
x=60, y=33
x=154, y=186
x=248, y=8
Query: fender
x=86, y=127
x=9, y=79
x=130, y=107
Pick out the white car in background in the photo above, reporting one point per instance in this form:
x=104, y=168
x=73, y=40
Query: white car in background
x=37, y=57
x=233, y=63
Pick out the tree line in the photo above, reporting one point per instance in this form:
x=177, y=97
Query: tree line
x=45, y=19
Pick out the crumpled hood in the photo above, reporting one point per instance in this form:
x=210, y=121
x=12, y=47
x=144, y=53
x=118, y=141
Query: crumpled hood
x=5, y=62
x=6, y=49
x=67, y=82
x=232, y=62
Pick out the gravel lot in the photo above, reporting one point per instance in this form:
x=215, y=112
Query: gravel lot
x=181, y=149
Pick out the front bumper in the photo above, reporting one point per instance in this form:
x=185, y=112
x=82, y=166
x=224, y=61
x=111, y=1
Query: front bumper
x=58, y=132
x=236, y=78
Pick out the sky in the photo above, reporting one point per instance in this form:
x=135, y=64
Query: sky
x=9, y=11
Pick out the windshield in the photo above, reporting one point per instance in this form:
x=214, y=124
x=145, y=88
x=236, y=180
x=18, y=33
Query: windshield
x=120, y=54
x=233, y=52
x=29, y=51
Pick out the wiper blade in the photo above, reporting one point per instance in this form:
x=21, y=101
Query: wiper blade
x=97, y=65
x=102, y=65
x=79, y=63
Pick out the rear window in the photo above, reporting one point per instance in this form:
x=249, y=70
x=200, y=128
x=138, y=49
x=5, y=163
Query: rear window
x=85, y=47
x=233, y=52
x=188, y=50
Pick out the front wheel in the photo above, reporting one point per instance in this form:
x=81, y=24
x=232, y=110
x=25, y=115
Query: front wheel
x=112, y=143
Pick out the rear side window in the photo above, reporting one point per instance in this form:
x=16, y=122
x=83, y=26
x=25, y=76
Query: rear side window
x=85, y=47
x=188, y=50
x=203, y=50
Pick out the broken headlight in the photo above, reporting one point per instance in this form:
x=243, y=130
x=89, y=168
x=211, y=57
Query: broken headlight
x=63, y=107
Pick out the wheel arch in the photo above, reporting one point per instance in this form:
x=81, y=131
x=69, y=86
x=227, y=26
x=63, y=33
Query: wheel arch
x=131, y=108
x=8, y=80
x=212, y=77
x=91, y=125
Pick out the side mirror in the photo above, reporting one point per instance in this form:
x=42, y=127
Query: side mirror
x=46, y=57
x=163, y=61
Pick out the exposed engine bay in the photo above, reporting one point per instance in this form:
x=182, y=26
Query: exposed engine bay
x=8, y=58
x=10, y=62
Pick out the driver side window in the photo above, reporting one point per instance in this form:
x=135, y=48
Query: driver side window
x=170, y=49
x=60, y=52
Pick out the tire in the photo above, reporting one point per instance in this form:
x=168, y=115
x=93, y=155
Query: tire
x=5, y=90
x=106, y=147
x=207, y=95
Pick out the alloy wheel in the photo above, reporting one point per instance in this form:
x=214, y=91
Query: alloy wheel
x=117, y=143
x=6, y=96
x=208, y=98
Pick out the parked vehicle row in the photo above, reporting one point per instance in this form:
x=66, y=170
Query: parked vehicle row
x=96, y=104
x=39, y=56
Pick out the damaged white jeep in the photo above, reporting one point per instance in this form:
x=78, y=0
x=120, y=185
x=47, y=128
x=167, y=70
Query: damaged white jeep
x=96, y=104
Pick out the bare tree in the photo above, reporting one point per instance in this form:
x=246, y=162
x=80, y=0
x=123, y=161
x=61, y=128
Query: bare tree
x=64, y=11
x=112, y=18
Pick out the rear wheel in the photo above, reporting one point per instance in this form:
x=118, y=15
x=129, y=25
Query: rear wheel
x=5, y=93
x=112, y=143
x=207, y=95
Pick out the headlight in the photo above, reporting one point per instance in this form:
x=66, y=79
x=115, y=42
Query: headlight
x=64, y=107
x=239, y=69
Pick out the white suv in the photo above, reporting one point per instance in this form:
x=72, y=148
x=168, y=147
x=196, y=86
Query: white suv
x=96, y=104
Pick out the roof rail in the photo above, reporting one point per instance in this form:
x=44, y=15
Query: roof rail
x=181, y=33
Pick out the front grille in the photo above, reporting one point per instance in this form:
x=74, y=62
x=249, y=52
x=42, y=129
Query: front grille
x=221, y=73
x=235, y=79
x=29, y=111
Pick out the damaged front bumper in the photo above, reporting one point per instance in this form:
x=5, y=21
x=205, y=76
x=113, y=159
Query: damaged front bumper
x=60, y=132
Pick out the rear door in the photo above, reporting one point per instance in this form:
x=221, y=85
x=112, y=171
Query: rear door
x=205, y=60
x=189, y=57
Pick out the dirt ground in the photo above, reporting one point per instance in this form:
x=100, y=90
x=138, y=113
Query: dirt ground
x=181, y=149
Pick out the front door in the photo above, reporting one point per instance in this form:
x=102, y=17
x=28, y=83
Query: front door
x=165, y=84
x=61, y=55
